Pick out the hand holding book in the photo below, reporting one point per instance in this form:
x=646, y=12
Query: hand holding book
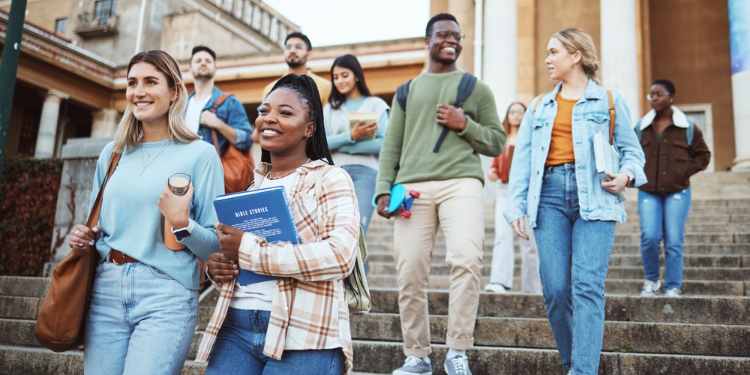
x=363, y=126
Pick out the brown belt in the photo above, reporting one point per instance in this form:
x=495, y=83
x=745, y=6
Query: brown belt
x=120, y=258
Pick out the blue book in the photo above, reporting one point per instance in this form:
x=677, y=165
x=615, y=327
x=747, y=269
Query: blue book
x=262, y=212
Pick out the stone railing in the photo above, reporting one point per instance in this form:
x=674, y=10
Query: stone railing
x=260, y=17
x=93, y=26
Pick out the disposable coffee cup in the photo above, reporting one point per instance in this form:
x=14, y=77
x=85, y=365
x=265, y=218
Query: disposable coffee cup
x=179, y=183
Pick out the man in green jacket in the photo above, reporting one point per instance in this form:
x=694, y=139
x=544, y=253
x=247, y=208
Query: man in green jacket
x=450, y=182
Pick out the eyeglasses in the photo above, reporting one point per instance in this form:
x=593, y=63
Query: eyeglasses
x=294, y=46
x=445, y=34
x=656, y=95
x=516, y=112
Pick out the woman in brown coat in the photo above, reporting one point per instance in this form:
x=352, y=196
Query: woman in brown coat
x=674, y=150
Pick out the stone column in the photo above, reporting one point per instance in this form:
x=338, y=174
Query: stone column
x=45, y=141
x=500, y=53
x=619, y=52
x=739, y=33
x=104, y=124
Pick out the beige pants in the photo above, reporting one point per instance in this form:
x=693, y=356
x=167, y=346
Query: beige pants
x=503, y=254
x=456, y=206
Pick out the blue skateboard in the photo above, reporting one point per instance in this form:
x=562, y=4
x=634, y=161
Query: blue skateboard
x=400, y=200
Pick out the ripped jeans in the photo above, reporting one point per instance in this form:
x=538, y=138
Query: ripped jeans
x=663, y=217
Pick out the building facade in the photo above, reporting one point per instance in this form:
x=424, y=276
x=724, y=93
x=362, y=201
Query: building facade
x=700, y=45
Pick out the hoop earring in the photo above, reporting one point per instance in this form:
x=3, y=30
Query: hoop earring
x=573, y=65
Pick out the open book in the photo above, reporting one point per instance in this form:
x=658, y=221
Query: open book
x=262, y=212
x=365, y=117
x=607, y=161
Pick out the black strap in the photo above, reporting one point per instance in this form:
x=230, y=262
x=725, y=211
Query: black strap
x=465, y=88
x=402, y=92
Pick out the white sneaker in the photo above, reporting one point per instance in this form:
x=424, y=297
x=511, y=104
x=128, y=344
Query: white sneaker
x=676, y=292
x=650, y=288
x=495, y=288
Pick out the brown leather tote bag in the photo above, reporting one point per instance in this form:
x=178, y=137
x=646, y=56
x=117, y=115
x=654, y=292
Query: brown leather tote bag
x=61, y=325
x=238, y=165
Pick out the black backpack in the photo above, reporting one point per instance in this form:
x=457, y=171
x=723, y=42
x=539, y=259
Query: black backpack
x=465, y=89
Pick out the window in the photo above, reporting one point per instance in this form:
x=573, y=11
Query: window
x=60, y=25
x=104, y=10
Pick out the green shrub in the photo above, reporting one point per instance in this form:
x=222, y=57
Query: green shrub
x=28, y=200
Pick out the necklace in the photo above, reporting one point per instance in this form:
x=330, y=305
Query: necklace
x=268, y=176
x=571, y=95
x=148, y=161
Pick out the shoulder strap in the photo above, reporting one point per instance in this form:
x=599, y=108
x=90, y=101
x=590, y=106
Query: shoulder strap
x=690, y=132
x=319, y=179
x=114, y=159
x=402, y=92
x=465, y=89
x=538, y=99
x=611, y=116
x=218, y=104
x=220, y=101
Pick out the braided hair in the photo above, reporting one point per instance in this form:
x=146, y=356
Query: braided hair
x=305, y=87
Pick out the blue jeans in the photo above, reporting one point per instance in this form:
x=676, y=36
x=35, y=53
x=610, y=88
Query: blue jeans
x=364, y=179
x=663, y=216
x=239, y=350
x=573, y=259
x=141, y=321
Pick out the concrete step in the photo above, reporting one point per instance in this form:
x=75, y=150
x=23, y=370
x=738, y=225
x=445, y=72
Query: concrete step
x=658, y=338
x=698, y=225
x=688, y=309
x=33, y=361
x=383, y=357
x=613, y=286
x=626, y=260
x=23, y=286
x=19, y=307
x=617, y=249
x=632, y=238
x=615, y=272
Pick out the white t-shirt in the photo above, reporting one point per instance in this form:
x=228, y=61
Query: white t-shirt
x=259, y=296
x=193, y=113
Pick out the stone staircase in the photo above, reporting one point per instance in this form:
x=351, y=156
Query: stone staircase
x=705, y=332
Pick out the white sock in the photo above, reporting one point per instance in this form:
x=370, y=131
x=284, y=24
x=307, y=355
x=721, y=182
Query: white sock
x=452, y=353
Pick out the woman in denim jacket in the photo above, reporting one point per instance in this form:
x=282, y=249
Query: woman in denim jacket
x=553, y=181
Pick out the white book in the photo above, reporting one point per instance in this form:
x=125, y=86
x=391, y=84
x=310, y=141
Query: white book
x=607, y=161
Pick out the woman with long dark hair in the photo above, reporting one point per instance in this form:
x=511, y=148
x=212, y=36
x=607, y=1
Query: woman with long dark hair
x=300, y=322
x=503, y=254
x=144, y=303
x=573, y=211
x=356, y=149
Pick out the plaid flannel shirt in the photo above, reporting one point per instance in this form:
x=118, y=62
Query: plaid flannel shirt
x=310, y=308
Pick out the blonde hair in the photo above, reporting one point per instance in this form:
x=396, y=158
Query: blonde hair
x=578, y=40
x=130, y=130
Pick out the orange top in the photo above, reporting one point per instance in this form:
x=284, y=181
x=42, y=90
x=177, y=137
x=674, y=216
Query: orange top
x=561, y=144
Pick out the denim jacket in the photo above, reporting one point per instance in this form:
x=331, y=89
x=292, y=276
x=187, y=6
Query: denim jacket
x=232, y=113
x=590, y=116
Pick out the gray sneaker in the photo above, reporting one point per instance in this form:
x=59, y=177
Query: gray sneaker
x=415, y=366
x=458, y=365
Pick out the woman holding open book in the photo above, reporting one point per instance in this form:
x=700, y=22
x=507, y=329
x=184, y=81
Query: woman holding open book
x=503, y=256
x=144, y=303
x=298, y=323
x=573, y=210
x=355, y=124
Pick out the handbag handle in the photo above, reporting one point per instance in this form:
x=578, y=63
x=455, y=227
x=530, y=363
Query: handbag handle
x=114, y=159
x=218, y=103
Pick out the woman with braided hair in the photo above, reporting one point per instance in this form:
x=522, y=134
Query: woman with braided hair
x=300, y=320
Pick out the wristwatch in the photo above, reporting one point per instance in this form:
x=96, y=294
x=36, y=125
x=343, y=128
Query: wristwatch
x=183, y=232
x=631, y=182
